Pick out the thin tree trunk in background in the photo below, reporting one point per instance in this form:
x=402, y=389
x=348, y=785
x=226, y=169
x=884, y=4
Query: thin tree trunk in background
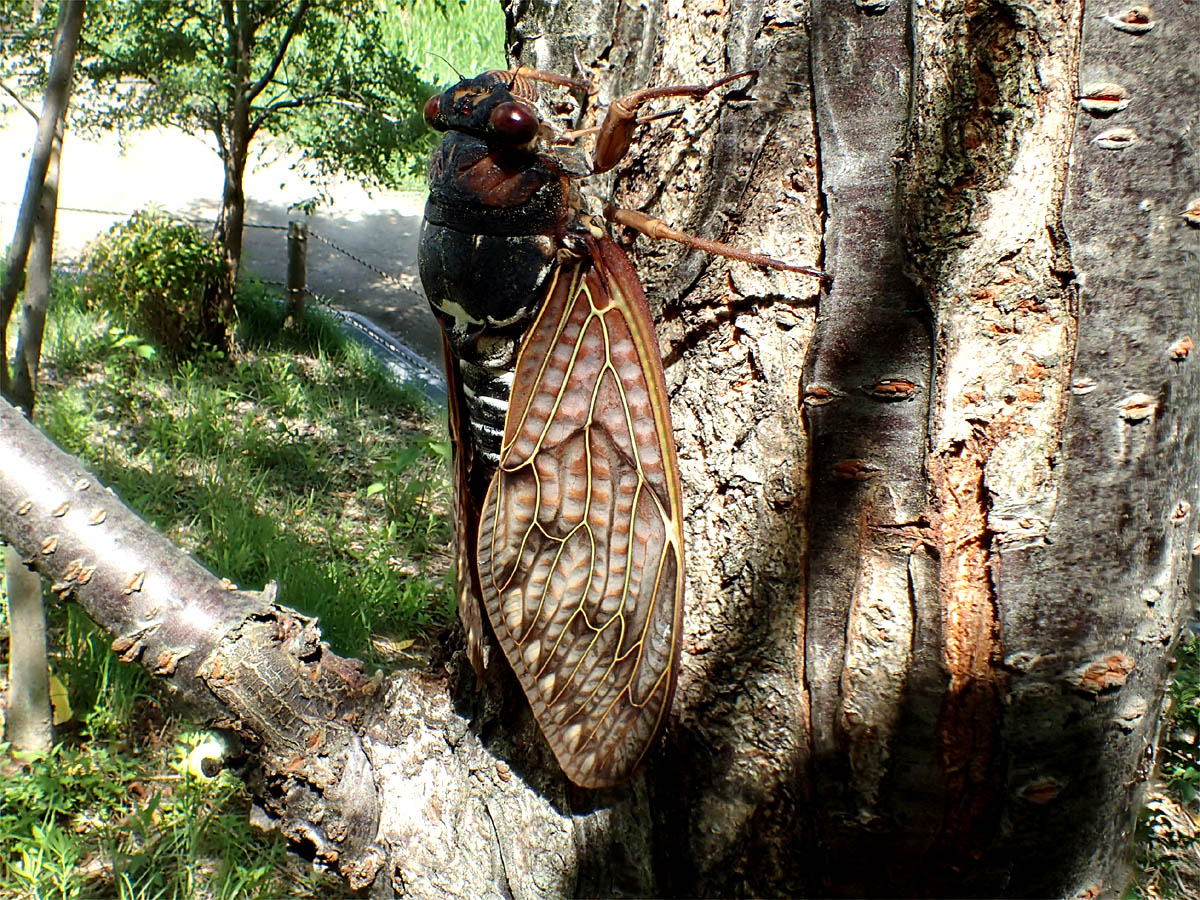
x=35, y=300
x=28, y=718
x=230, y=224
x=234, y=140
x=58, y=89
x=29, y=722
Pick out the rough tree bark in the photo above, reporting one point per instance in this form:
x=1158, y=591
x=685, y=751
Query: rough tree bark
x=939, y=525
x=35, y=300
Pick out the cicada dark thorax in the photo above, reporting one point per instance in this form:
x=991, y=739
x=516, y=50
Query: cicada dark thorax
x=488, y=248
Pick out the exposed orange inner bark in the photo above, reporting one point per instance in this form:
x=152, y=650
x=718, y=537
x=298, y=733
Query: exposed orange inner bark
x=970, y=719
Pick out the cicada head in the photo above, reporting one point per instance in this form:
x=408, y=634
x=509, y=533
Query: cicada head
x=500, y=107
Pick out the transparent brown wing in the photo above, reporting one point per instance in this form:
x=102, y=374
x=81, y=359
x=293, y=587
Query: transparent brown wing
x=580, y=540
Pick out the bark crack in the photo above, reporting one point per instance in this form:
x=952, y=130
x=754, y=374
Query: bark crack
x=818, y=155
x=506, y=884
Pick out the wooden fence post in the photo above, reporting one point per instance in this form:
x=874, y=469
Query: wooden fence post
x=297, y=274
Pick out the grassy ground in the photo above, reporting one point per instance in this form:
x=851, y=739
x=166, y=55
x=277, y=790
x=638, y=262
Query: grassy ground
x=448, y=37
x=1167, y=859
x=296, y=459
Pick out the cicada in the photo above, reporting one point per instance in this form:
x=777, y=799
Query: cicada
x=568, y=503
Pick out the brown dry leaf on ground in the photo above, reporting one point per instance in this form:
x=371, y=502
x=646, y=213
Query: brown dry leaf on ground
x=1169, y=864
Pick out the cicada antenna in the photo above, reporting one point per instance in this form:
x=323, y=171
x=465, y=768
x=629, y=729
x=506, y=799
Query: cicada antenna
x=453, y=67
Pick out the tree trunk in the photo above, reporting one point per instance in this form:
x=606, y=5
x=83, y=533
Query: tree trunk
x=36, y=298
x=938, y=527
x=58, y=89
x=938, y=538
x=28, y=717
x=231, y=221
x=233, y=137
x=29, y=723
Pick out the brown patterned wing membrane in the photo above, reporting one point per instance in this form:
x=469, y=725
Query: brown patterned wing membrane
x=580, y=543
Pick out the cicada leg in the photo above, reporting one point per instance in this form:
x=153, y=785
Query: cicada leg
x=532, y=74
x=660, y=230
x=616, y=131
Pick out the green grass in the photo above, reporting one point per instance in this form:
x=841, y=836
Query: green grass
x=1167, y=857
x=298, y=459
x=442, y=36
x=110, y=819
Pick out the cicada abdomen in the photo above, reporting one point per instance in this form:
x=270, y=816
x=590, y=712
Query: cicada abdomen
x=566, y=482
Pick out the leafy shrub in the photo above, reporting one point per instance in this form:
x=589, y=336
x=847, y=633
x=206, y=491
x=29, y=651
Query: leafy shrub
x=161, y=277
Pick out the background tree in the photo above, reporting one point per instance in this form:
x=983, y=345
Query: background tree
x=28, y=715
x=939, y=526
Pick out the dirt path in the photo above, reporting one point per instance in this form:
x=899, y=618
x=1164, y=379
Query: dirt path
x=362, y=249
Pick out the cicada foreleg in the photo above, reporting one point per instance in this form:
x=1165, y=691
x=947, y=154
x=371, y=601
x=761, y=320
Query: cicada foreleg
x=660, y=230
x=615, y=136
x=531, y=74
x=616, y=131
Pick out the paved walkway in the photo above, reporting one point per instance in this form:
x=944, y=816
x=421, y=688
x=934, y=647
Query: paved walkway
x=362, y=249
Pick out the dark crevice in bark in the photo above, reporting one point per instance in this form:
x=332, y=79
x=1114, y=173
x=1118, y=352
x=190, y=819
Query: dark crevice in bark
x=866, y=463
x=818, y=163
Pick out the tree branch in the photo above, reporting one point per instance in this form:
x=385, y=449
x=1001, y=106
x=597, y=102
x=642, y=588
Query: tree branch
x=292, y=29
x=386, y=782
x=315, y=100
x=19, y=101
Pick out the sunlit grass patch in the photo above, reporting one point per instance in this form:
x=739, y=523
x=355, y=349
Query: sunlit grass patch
x=296, y=458
x=312, y=468
x=441, y=38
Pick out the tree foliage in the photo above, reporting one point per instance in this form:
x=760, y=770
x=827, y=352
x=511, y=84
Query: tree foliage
x=323, y=75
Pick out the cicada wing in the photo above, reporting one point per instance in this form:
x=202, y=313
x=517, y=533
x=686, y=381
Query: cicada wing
x=466, y=519
x=580, y=539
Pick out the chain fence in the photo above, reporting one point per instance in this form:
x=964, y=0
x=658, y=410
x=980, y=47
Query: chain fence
x=405, y=363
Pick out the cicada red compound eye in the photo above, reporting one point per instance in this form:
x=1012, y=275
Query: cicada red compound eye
x=432, y=107
x=514, y=122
